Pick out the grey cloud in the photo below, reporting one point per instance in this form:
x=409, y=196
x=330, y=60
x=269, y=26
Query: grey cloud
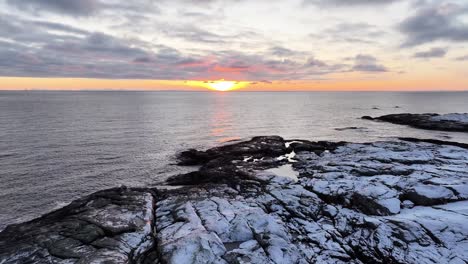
x=361, y=33
x=313, y=62
x=99, y=55
x=73, y=7
x=462, y=58
x=350, y=2
x=281, y=51
x=193, y=34
x=436, y=22
x=32, y=50
x=357, y=28
x=367, y=63
x=432, y=53
x=86, y=7
x=37, y=48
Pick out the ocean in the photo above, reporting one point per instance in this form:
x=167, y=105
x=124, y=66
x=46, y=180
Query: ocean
x=58, y=146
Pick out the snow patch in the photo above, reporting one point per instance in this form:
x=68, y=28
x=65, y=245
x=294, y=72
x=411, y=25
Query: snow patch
x=456, y=117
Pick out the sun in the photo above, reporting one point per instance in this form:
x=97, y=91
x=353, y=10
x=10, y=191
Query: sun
x=218, y=85
x=222, y=86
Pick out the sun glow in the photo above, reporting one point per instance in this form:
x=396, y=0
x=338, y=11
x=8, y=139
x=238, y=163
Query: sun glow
x=222, y=86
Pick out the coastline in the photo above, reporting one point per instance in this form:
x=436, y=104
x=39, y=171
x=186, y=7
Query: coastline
x=346, y=198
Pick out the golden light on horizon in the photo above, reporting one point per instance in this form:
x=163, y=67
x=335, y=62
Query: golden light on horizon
x=76, y=84
x=222, y=86
x=219, y=85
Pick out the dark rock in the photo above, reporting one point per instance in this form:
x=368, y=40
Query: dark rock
x=108, y=226
x=349, y=128
x=265, y=146
x=193, y=157
x=448, y=122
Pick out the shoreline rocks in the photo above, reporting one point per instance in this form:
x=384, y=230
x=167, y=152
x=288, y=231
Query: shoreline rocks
x=381, y=202
x=449, y=122
x=113, y=226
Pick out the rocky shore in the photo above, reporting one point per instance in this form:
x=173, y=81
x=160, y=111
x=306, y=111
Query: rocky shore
x=449, y=122
x=270, y=200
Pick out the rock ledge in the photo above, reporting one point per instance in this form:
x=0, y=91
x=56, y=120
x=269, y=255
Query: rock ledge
x=448, y=122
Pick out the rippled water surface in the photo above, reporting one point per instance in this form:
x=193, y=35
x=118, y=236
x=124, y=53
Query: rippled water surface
x=57, y=146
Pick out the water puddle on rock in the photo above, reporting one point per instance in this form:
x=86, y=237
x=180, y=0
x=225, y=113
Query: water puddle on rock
x=285, y=171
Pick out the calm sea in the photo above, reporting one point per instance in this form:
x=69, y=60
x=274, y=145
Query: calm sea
x=57, y=146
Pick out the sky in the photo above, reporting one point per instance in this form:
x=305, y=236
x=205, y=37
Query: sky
x=257, y=44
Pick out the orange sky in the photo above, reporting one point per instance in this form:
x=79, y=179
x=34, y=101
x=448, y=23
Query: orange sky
x=20, y=83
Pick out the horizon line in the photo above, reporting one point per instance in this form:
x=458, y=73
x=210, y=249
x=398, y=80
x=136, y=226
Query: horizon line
x=232, y=91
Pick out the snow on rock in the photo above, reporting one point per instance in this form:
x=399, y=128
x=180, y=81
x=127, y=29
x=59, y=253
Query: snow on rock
x=351, y=203
x=462, y=118
x=423, y=194
x=382, y=202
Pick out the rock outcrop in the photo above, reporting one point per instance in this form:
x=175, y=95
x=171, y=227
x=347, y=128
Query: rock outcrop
x=448, y=122
x=269, y=200
x=110, y=226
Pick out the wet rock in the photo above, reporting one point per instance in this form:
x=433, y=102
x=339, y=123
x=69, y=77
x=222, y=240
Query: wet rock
x=448, y=122
x=257, y=147
x=349, y=128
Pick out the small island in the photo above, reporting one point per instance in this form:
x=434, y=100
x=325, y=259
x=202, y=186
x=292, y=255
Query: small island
x=455, y=122
x=270, y=200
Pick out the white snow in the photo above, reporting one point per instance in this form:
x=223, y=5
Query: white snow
x=392, y=204
x=287, y=144
x=247, y=159
x=290, y=157
x=462, y=118
x=433, y=191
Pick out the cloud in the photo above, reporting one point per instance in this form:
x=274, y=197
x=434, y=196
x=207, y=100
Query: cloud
x=313, y=62
x=350, y=2
x=362, y=33
x=367, y=63
x=432, y=53
x=282, y=52
x=462, y=58
x=44, y=53
x=44, y=49
x=436, y=22
x=70, y=7
x=79, y=8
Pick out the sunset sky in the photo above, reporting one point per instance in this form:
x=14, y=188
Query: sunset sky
x=255, y=44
